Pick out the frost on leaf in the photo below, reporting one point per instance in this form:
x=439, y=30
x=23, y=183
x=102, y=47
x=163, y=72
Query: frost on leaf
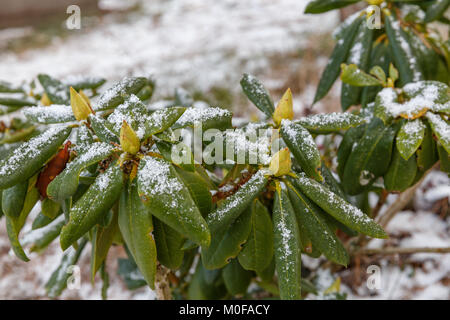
x=423, y=96
x=49, y=114
x=330, y=122
x=250, y=144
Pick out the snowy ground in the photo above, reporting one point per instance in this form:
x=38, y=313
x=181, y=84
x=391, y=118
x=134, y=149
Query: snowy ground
x=201, y=44
x=195, y=43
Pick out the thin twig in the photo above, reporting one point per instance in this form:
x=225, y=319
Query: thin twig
x=394, y=250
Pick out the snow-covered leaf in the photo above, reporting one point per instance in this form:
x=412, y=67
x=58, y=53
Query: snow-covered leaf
x=228, y=210
x=256, y=93
x=303, y=147
x=286, y=246
x=330, y=122
x=337, y=207
x=93, y=205
x=24, y=161
x=169, y=199
x=66, y=183
x=410, y=138
x=49, y=114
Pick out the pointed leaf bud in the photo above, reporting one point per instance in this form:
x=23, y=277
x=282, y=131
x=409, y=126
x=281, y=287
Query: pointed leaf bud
x=281, y=163
x=128, y=139
x=284, y=109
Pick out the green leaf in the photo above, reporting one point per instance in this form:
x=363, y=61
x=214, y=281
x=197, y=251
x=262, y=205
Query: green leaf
x=287, y=246
x=379, y=73
x=115, y=95
x=334, y=186
x=359, y=55
x=346, y=147
x=59, y=278
x=321, y=235
x=402, y=52
x=354, y=76
x=168, y=245
x=177, y=153
x=102, y=240
x=56, y=91
x=401, y=173
x=410, y=138
x=370, y=157
x=303, y=147
x=169, y=199
x=441, y=129
x=339, y=56
x=50, y=208
x=40, y=221
x=146, y=92
x=93, y=205
x=15, y=224
x=236, y=278
x=24, y=161
x=199, y=190
x=161, y=120
x=66, y=183
x=427, y=152
x=257, y=94
x=445, y=159
x=136, y=226
x=330, y=122
x=40, y=238
x=267, y=274
x=227, y=243
x=209, y=117
x=105, y=134
x=337, y=207
x=380, y=57
x=393, y=72
x=436, y=10
x=320, y=6
x=13, y=199
x=230, y=208
x=257, y=252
